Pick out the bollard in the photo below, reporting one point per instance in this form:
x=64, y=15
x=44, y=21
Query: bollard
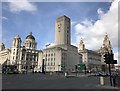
x=50, y=73
x=65, y=74
x=102, y=82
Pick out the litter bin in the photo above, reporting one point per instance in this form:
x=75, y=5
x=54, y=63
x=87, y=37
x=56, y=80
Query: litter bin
x=102, y=81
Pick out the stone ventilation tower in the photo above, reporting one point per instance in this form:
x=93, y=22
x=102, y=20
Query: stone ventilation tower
x=16, y=42
x=106, y=47
x=16, y=45
x=81, y=45
x=107, y=44
x=62, y=31
x=30, y=42
x=2, y=47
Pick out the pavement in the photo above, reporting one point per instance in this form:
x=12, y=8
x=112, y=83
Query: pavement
x=47, y=81
x=107, y=87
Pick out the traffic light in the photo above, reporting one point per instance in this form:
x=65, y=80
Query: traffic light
x=63, y=67
x=114, y=62
x=106, y=58
x=109, y=59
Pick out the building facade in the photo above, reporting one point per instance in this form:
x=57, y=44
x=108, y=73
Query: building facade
x=61, y=57
x=106, y=48
x=24, y=57
x=90, y=58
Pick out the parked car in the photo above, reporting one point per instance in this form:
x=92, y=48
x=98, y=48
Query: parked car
x=102, y=74
x=12, y=71
x=36, y=70
x=105, y=74
x=23, y=71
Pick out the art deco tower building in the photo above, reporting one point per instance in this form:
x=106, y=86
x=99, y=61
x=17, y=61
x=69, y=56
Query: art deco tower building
x=62, y=31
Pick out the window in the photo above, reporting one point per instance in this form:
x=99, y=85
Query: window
x=13, y=53
x=67, y=27
x=17, y=53
x=13, y=57
x=51, y=59
x=26, y=58
x=22, y=58
x=27, y=55
x=51, y=54
x=34, y=58
x=16, y=57
x=48, y=59
x=23, y=55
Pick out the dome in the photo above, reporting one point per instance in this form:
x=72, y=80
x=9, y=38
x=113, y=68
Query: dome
x=30, y=36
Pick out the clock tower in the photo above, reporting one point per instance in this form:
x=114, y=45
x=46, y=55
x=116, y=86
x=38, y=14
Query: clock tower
x=62, y=31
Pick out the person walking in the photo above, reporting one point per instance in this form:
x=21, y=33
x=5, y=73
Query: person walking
x=114, y=76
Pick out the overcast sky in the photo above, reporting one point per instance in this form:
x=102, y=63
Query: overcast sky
x=89, y=20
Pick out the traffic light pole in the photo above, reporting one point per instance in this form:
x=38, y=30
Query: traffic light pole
x=110, y=74
x=76, y=69
x=109, y=59
x=43, y=69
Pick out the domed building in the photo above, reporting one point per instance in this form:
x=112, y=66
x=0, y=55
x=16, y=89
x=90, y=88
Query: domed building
x=30, y=42
x=22, y=56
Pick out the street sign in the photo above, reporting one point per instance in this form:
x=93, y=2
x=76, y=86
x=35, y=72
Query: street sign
x=81, y=66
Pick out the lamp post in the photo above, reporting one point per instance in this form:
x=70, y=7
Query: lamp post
x=58, y=68
x=43, y=66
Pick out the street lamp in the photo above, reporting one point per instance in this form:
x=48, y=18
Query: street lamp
x=43, y=66
x=58, y=68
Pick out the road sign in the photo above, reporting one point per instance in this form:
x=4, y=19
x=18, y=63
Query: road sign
x=81, y=66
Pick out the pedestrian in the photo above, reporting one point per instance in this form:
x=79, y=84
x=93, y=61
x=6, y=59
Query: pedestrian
x=114, y=75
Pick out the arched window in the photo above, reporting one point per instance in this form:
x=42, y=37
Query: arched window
x=30, y=44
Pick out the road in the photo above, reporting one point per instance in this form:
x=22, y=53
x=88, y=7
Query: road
x=46, y=81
